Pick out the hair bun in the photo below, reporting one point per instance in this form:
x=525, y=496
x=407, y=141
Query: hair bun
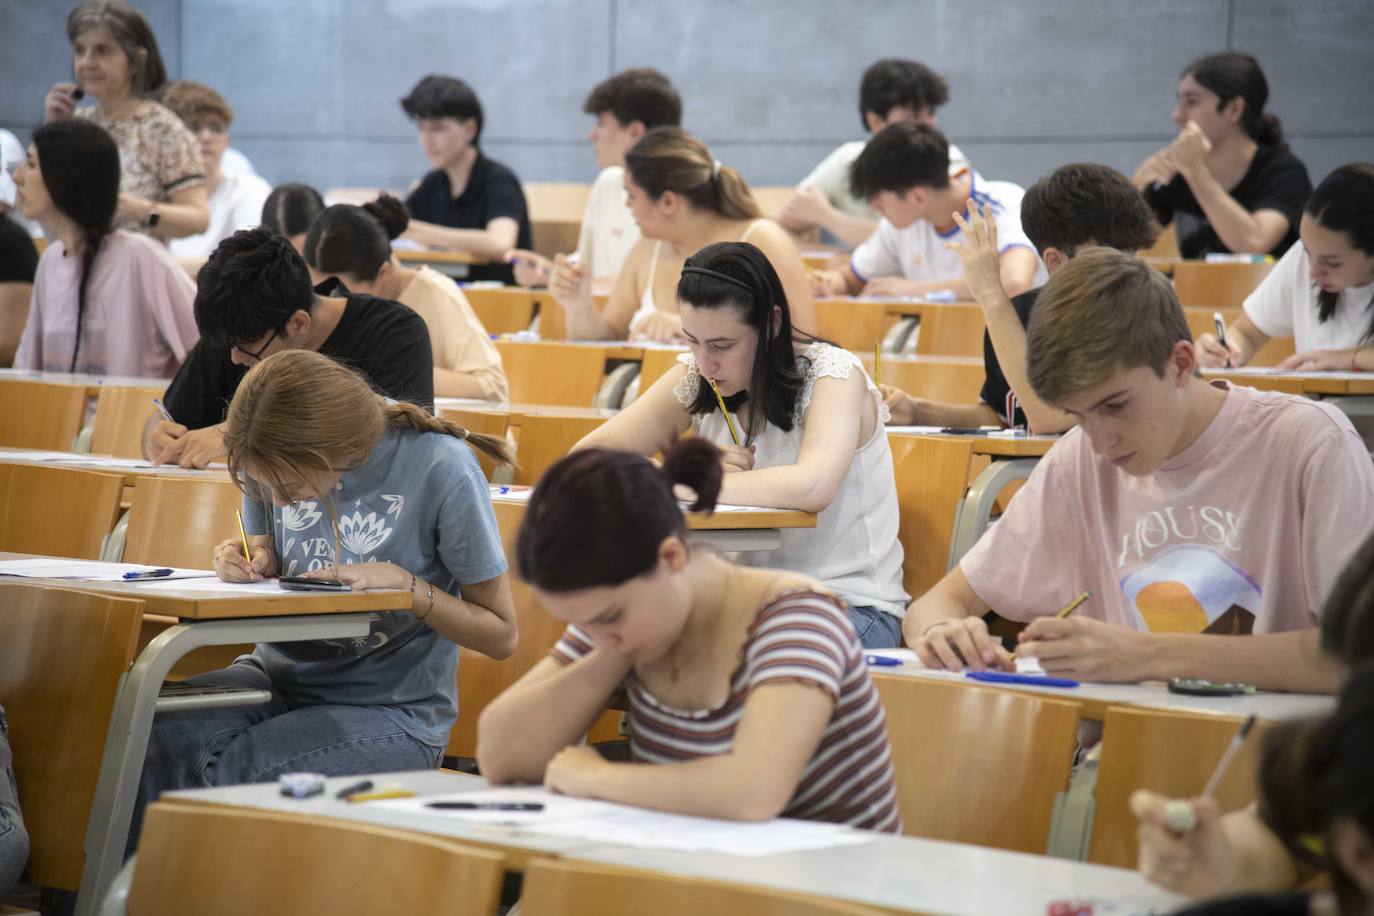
x=695, y=462
x=390, y=212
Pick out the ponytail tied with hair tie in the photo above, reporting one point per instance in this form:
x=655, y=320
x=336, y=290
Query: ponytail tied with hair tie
x=715, y=170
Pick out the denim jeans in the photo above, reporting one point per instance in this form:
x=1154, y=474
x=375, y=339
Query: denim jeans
x=877, y=629
x=244, y=744
x=14, y=839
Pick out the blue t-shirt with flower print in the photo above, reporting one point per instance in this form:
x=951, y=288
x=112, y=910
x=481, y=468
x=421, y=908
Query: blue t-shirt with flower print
x=421, y=502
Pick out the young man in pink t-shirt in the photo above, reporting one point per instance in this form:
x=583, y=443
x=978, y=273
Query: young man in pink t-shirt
x=1209, y=521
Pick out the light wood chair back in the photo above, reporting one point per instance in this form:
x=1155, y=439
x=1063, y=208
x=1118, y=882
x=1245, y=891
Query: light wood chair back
x=57, y=511
x=1200, y=322
x=1169, y=752
x=482, y=679
x=978, y=764
x=544, y=372
x=931, y=476
x=120, y=415
x=953, y=329
x=771, y=198
x=1200, y=283
x=40, y=414
x=955, y=379
x=61, y=657
x=490, y=422
x=855, y=326
x=655, y=365
x=503, y=310
x=556, y=210
x=542, y=439
x=564, y=887
x=177, y=521
x=222, y=861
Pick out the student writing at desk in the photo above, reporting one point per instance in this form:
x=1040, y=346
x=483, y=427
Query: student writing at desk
x=341, y=484
x=891, y=90
x=254, y=300
x=747, y=690
x=1074, y=208
x=468, y=202
x=904, y=174
x=1268, y=848
x=682, y=200
x=1210, y=521
x=1228, y=181
x=354, y=245
x=1321, y=293
x=806, y=431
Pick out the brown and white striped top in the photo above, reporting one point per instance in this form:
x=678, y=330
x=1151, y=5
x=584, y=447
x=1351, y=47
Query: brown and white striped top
x=803, y=637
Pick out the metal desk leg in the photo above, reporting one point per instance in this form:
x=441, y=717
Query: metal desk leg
x=131, y=722
x=972, y=514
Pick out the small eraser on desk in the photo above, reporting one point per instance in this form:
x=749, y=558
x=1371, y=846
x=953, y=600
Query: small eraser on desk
x=1029, y=665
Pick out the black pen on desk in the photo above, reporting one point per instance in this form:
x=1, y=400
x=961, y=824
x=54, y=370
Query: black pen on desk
x=1221, y=336
x=354, y=789
x=162, y=409
x=485, y=806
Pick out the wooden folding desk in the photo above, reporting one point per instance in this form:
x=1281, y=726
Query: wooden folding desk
x=204, y=619
x=896, y=873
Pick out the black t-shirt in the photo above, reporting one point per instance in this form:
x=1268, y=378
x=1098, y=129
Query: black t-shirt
x=996, y=392
x=1293, y=904
x=1276, y=180
x=492, y=191
x=18, y=256
x=384, y=340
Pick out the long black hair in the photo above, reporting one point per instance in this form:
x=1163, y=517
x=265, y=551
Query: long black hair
x=1344, y=202
x=739, y=275
x=80, y=165
x=1231, y=74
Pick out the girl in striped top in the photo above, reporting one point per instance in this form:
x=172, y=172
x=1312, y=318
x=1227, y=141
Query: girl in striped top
x=747, y=690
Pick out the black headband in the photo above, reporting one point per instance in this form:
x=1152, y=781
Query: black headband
x=717, y=275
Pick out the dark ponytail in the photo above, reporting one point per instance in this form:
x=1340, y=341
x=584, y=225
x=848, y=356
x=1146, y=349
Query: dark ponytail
x=80, y=165
x=1313, y=774
x=598, y=516
x=1230, y=75
x=345, y=239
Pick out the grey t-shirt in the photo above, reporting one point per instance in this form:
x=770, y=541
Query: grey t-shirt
x=419, y=501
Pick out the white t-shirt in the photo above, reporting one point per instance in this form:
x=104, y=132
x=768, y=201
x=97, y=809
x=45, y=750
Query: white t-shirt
x=232, y=162
x=832, y=177
x=1285, y=305
x=918, y=252
x=609, y=230
x=236, y=204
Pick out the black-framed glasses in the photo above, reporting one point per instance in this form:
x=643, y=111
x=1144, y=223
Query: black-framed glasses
x=261, y=350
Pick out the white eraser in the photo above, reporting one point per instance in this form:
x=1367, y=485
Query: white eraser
x=1180, y=817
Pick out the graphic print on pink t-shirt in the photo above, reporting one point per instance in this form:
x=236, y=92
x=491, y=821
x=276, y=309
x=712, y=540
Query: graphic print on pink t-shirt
x=1193, y=588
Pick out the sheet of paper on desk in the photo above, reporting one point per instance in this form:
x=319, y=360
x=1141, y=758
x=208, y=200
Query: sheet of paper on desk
x=623, y=825
x=88, y=570
x=219, y=588
x=78, y=458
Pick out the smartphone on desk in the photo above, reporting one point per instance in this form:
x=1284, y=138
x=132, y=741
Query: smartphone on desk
x=964, y=431
x=1198, y=687
x=302, y=584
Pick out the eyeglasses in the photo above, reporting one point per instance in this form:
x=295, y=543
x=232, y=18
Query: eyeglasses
x=261, y=350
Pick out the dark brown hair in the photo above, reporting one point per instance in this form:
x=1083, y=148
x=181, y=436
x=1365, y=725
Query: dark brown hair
x=898, y=158
x=1344, y=202
x=893, y=82
x=670, y=159
x=1230, y=75
x=641, y=94
x=345, y=239
x=598, y=516
x=1087, y=203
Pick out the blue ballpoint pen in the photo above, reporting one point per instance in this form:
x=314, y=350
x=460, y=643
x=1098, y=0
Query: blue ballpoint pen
x=882, y=661
x=149, y=574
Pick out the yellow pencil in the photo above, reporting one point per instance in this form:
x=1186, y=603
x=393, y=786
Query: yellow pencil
x=1073, y=605
x=247, y=554
x=878, y=363
x=729, y=421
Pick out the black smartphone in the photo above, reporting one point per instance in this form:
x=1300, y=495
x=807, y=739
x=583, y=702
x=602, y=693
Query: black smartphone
x=302, y=584
x=964, y=431
x=1198, y=687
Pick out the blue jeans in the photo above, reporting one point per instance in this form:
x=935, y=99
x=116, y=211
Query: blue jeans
x=244, y=744
x=14, y=839
x=877, y=629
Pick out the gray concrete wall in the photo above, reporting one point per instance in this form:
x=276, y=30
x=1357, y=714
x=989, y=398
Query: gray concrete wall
x=771, y=85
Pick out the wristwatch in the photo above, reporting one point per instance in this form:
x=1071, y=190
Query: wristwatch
x=154, y=217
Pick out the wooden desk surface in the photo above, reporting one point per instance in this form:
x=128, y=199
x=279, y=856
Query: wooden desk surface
x=736, y=518
x=130, y=474
x=999, y=446
x=518, y=411
x=197, y=605
x=630, y=350
x=897, y=873
x=1336, y=384
x=93, y=383
x=434, y=256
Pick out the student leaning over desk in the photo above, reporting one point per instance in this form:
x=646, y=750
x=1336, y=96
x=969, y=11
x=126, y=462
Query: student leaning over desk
x=682, y=200
x=340, y=483
x=1315, y=805
x=810, y=428
x=747, y=689
x=1321, y=293
x=1209, y=520
x=290, y=209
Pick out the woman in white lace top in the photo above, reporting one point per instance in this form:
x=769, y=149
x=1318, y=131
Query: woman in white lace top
x=810, y=427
